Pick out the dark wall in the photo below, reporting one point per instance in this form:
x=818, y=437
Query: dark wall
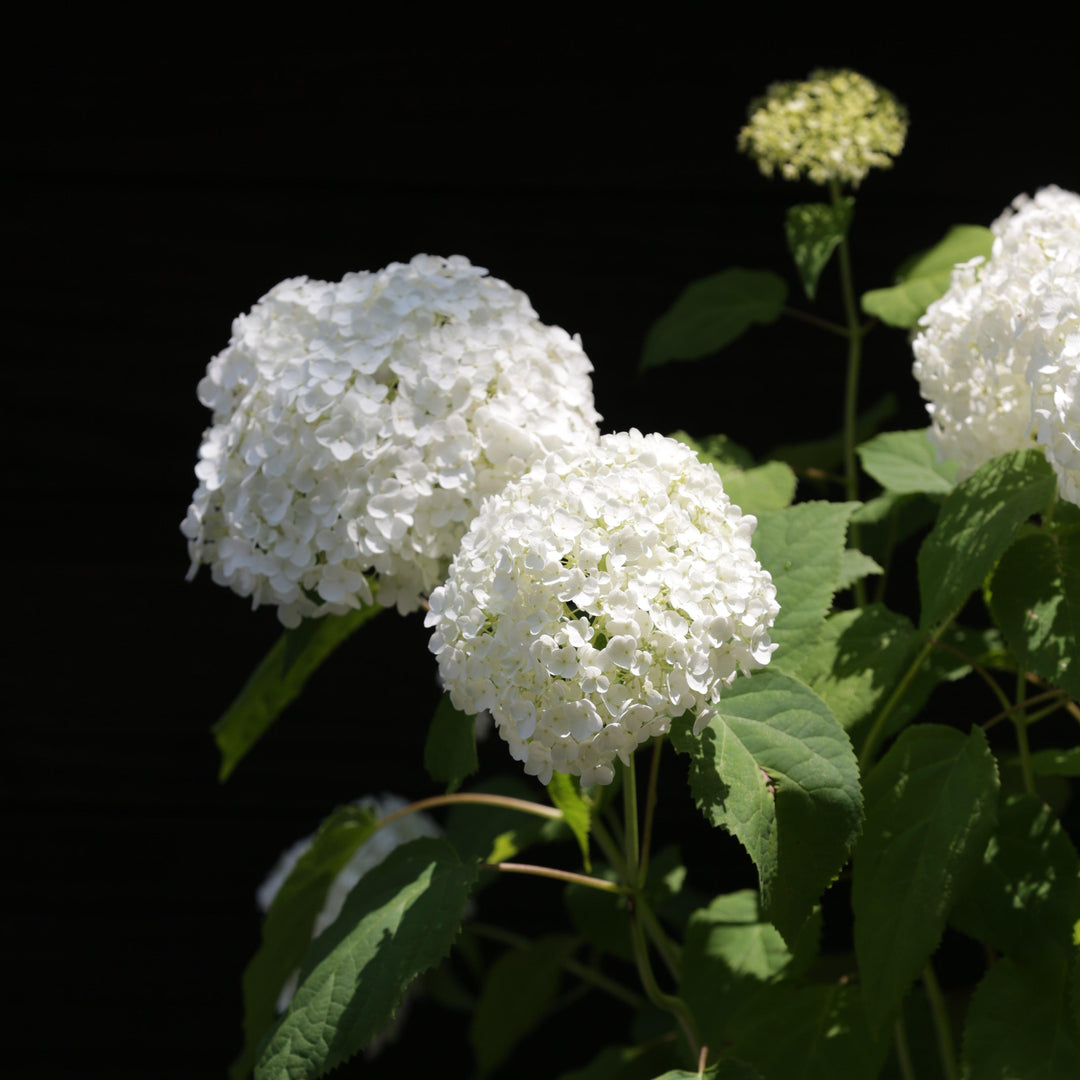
x=156, y=193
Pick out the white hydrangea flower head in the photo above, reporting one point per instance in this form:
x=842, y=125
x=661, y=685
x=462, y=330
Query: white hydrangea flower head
x=1054, y=373
x=608, y=591
x=366, y=857
x=358, y=425
x=831, y=128
x=993, y=356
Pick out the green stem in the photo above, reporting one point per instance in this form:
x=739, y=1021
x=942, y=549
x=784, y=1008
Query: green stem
x=983, y=674
x=942, y=1024
x=668, y=1002
x=903, y=1054
x=873, y=736
x=505, y=801
x=609, y=847
x=631, y=846
x=1055, y=697
x=815, y=320
x=650, y=810
x=559, y=875
x=851, y=386
x=637, y=905
x=1020, y=722
x=574, y=967
x=669, y=952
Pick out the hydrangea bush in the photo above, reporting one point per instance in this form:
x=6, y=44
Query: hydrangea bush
x=744, y=624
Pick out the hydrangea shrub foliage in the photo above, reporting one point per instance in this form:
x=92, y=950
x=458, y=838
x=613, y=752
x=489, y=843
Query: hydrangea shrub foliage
x=416, y=438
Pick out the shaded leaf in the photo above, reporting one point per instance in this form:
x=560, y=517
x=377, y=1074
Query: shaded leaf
x=905, y=462
x=1019, y=1025
x=1035, y=598
x=278, y=679
x=450, y=750
x=1056, y=762
x=1025, y=897
x=728, y=1069
x=775, y=769
x=978, y=522
x=925, y=277
x=290, y=921
x=399, y=920
x=627, y=1063
x=565, y=792
x=493, y=834
x=601, y=917
x=856, y=660
x=712, y=313
x=731, y=954
x=516, y=996
x=811, y=1033
x=813, y=231
x=717, y=450
x=930, y=810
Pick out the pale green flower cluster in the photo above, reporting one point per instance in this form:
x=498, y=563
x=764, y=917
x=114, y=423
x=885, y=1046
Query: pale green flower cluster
x=834, y=127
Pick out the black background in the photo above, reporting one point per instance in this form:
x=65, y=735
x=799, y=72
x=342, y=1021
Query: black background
x=155, y=191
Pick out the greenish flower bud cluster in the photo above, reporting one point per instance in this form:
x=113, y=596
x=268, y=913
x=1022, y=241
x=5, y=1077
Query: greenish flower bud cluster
x=834, y=127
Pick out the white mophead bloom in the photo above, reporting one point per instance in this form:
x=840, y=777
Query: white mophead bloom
x=358, y=425
x=366, y=857
x=609, y=590
x=996, y=356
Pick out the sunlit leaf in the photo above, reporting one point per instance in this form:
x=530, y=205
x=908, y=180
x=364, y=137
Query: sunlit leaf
x=925, y=277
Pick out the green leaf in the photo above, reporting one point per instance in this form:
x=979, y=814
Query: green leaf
x=731, y=954
x=493, y=833
x=930, y=809
x=775, y=769
x=287, y=929
x=813, y=231
x=1035, y=598
x=925, y=277
x=905, y=462
x=517, y=994
x=278, y=679
x=450, y=750
x=1025, y=897
x=565, y=792
x=712, y=313
x=1056, y=762
x=728, y=1069
x=601, y=917
x=854, y=566
x=856, y=660
x=753, y=488
x=977, y=524
x=767, y=487
x=802, y=547
x=399, y=920
x=717, y=450
x=627, y=1063
x=1019, y=1027
x=811, y=1033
